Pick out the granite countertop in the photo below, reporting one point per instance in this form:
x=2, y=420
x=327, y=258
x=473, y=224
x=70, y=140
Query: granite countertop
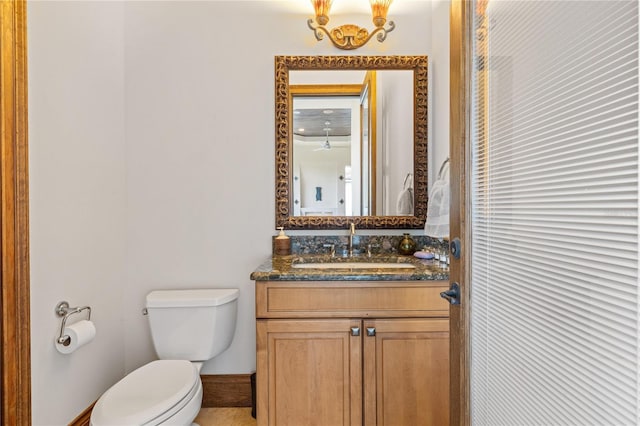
x=279, y=268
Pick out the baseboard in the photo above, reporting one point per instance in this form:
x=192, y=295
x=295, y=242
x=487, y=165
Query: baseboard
x=84, y=419
x=228, y=390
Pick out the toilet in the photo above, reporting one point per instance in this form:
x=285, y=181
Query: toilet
x=188, y=327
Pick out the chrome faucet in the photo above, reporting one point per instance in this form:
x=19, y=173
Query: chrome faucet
x=352, y=232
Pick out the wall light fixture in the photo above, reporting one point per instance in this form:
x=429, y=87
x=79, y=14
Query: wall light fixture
x=349, y=36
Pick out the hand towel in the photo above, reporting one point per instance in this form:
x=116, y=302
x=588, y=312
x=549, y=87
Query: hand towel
x=405, y=202
x=437, y=224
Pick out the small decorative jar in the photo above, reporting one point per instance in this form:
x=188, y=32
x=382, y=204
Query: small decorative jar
x=407, y=246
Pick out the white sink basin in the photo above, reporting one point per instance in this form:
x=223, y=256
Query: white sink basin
x=353, y=265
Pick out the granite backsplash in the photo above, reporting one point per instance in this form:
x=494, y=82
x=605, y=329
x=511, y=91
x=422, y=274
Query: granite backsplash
x=380, y=244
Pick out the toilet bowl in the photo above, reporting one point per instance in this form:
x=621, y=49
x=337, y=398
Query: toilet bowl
x=165, y=391
x=196, y=325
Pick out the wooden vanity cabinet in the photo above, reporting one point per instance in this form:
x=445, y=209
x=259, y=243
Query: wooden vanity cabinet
x=309, y=372
x=406, y=372
x=352, y=353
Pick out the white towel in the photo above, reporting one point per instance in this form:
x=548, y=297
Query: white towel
x=437, y=224
x=405, y=202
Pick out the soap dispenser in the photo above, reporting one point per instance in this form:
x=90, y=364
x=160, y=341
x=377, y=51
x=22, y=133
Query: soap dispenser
x=282, y=244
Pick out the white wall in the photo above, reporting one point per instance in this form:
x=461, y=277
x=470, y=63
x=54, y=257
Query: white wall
x=200, y=129
x=395, y=125
x=151, y=132
x=320, y=167
x=439, y=88
x=77, y=198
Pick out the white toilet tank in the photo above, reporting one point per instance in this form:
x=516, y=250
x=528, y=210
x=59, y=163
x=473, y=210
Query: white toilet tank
x=193, y=325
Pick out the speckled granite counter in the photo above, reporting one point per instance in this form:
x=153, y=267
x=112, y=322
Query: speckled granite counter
x=281, y=268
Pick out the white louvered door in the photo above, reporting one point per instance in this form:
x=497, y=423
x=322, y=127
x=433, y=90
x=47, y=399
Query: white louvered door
x=554, y=213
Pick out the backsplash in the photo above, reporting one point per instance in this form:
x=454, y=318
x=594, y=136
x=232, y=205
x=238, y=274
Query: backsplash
x=380, y=244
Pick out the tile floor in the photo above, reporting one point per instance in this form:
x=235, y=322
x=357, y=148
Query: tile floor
x=225, y=416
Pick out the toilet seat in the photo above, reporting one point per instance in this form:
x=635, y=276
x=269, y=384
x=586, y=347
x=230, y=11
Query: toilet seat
x=149, y=395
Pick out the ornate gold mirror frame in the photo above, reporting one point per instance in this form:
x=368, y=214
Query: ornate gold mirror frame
x=284, y=145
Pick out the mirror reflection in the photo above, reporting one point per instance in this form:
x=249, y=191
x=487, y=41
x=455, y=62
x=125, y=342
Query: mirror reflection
x=356, y=141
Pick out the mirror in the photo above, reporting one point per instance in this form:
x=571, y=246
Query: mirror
x=351, y=142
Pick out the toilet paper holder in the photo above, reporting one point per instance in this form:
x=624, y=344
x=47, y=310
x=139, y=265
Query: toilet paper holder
x=63, y=310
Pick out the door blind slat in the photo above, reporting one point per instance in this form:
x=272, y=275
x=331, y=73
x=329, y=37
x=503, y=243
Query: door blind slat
x=554, y=214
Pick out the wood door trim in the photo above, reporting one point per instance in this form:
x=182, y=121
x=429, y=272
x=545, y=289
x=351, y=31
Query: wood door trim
x=14, y=216
x=460, y=125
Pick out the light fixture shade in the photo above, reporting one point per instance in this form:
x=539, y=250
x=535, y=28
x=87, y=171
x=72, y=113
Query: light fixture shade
x=379, y=9
x=350, y=36
x=322, y=8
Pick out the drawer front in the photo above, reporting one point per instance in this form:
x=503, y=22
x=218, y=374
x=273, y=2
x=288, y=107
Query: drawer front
x=329, y=299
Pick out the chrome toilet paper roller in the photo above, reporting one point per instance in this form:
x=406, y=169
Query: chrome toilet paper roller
x=77, y=334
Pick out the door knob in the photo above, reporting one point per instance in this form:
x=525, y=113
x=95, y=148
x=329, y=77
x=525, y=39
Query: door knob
x=371, y=331
x=355, y=331
x=453, y=294
x=455, y=247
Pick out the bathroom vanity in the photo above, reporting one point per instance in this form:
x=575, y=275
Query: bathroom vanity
x=362, y=341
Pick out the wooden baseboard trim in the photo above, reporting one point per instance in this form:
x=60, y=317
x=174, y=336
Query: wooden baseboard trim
x=84, y=419
x=227, y=390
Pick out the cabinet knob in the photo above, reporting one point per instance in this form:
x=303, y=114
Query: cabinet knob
x=355, y=331
x=371, y=331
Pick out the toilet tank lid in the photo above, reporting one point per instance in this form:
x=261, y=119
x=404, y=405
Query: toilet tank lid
x=190, y=298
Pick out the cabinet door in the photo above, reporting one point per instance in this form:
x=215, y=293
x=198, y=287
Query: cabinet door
x=406, y=372
x=309, y=372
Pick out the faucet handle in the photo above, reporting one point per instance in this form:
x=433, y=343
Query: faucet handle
x=370, y=248
x=332, y=249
